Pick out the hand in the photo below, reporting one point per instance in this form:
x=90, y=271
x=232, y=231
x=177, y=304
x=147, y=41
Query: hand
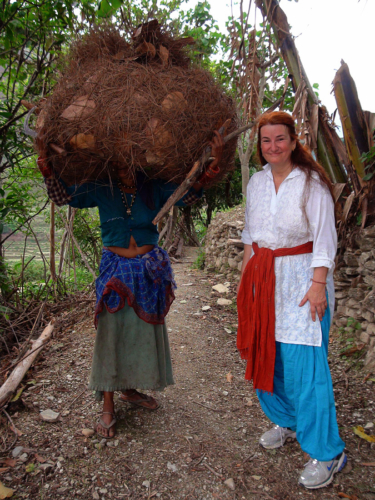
x=217, y=146
x=44, y=167
x=316, y=295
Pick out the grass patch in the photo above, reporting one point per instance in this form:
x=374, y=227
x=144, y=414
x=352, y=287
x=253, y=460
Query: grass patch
x=199, y=261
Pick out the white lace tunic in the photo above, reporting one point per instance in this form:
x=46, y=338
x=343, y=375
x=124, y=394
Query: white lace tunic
x=277, y=221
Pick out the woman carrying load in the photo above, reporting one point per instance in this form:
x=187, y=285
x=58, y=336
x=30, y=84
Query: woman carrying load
x=286, y=298
x=135, y=288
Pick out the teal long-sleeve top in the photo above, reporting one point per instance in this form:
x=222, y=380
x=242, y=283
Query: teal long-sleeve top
x=116, y=225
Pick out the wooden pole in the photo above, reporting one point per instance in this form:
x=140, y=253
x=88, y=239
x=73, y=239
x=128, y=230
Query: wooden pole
x=10, y=385
x=52, y=263
x=163, y=231
x=74, y=266
x=62, y=245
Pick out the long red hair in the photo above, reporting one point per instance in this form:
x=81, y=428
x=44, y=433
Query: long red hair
x=300, y=157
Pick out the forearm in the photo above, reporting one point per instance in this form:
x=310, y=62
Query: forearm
x=320, y=274
x=316, y=294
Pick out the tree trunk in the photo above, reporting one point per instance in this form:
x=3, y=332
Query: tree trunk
x=189, y=226
x=228, y=197
x=180, y=246
x=209, y=215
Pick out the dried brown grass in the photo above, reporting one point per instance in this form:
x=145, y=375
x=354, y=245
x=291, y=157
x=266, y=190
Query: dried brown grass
x=139, y=106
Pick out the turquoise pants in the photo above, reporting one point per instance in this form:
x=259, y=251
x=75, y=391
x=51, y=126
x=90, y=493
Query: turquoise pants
x=303, y=396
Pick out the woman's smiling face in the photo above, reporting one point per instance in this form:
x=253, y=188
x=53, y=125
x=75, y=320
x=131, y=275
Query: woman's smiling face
x=276, y=144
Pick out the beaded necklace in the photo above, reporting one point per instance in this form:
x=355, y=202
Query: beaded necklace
x=125, y=201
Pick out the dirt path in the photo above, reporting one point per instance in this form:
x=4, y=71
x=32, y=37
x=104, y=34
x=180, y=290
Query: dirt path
x=205, y=432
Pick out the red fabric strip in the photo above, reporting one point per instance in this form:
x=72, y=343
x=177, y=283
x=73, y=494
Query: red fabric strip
x=256, y=313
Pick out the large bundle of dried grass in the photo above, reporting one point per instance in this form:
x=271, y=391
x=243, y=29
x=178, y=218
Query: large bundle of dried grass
x=138, y=105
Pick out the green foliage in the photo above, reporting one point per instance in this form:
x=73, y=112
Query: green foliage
x=32, y=283
x=108, y=8
x=348, y=340
x=199, y=261
x=220, y=197
x=132, y=13
x=87, y=232
x=31, y=38
x=353, y=323
x=86, y=228
x=20, y=195
x=200, y=227
x=5, y=282
x=199, y=24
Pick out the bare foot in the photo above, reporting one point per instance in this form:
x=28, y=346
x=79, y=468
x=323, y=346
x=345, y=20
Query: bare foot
x=108, y=415
x=137, y=398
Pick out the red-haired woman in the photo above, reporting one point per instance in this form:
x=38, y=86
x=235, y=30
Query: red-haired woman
x=284, y=315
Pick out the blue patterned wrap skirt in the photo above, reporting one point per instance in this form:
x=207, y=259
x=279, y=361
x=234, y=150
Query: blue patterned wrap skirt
x=145, y=281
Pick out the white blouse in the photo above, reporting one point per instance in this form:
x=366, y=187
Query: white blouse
x=277, y=221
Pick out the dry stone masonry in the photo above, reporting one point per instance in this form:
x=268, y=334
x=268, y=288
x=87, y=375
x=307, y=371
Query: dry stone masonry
x=224, y=248
x=354, y=278
x=355, y=291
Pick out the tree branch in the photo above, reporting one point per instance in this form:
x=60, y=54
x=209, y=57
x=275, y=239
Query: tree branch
x=25, y=222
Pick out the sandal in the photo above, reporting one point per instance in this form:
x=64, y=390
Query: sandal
x=142, y=402
x=106, y=426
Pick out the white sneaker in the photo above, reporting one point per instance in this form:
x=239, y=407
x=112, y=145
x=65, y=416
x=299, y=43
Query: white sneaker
x=276, y=437
x=320, y=474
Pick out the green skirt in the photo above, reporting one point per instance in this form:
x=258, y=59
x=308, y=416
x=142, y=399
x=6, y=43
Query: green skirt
x=129, y=354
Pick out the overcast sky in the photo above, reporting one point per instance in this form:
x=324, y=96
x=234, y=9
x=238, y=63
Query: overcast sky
x=327, y=31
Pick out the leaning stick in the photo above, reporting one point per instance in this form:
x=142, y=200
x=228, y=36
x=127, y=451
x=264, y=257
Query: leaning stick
x=70, y=232
x=10, y=385
x=194, y=174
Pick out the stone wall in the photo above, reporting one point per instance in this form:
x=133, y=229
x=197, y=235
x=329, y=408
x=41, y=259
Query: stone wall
x=223, y=246
x=354, y=279
x=355, y=290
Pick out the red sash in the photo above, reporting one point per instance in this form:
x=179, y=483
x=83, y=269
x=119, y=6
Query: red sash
x=256, y=313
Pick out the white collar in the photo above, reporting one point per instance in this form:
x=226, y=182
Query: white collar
x=296, y=171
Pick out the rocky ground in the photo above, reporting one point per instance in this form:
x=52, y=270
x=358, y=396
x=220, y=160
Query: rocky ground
x=202, y=443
